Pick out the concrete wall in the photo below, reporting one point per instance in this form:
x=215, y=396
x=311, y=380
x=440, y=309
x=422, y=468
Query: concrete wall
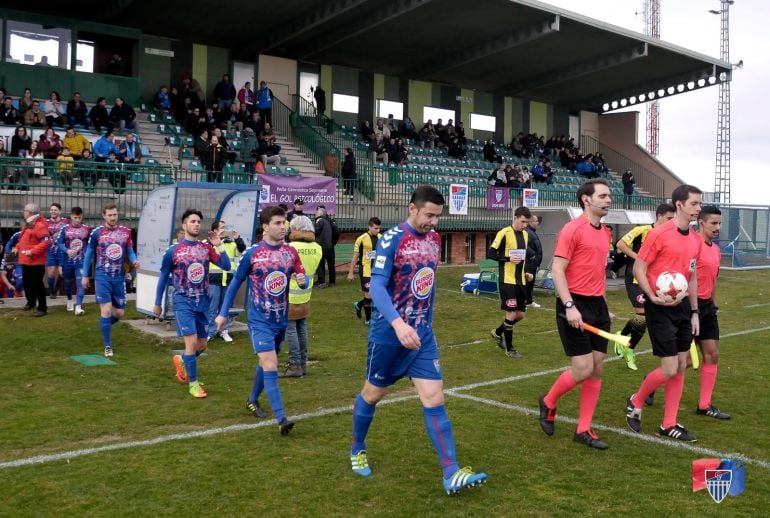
x=281, y=76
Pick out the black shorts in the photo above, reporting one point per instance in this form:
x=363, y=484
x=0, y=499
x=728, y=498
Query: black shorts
x=513, y=297
x=709, y=323
x=635, y=295
x=670, y=327
x=365, y=283
x=577, y=342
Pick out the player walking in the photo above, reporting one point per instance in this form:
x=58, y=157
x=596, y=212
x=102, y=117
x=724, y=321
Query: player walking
x=72, y=243
x=401, y=339
x=268, y=265
x=709, y=223
x=54, y=261
x=363, y=254
x=509, y=249
x=578, y=266
x=630, y=245
x=671, y=247
x=111, y=244
x=188, y=262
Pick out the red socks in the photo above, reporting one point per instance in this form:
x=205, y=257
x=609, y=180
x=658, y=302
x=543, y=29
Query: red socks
x=673, y=391
x=563, y=384
x=589, y=397
x=708, y=378
x=650, y=384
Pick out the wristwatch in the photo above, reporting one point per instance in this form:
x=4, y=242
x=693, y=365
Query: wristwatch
x=569, y=304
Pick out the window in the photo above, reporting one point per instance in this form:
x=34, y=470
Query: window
x=435, y=114
x=385, y=108
x=482, y=122
x=345, y=103
x=32, y=44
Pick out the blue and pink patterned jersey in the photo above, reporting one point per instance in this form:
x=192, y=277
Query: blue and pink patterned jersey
x=54, y=227
x=405, y=264
x=74, y=238
x=111, y=246
x=268, y=269
x=188, y=263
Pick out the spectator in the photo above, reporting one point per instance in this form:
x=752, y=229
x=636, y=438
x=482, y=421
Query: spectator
x=255, y=123
x=8, y=114
x=526, y=178
x=104, y=146
x=201, y=145
x=249, y=149
x=130, y=150
x=99, y=116
x=6, y=174
x=298, y=204
x=628, y=188
x=400, y=155
x=408, y=130
x=320, y=105
x=367, y=133
x=77, y=112
x=230, y=154
x=224, y=93
x=246, y=97
x=460, y=132
x=54, y=110
x=392, y=126
x=428, y=134
x=586, y=167
x=25, y=103
x=517, y=145
x=122, y=115
x=211, y=117
x=33, y=249
x=381, y=130
x=498, y=178
x=231, y=119
x=195, y=123
x=21, y=143
x=75, y=142
x=490, y=153
x=601, y=166
x=269, y=150
x=35, y=157
x=86, y=169
x=265, y=102
x=242, y=118
x=349, y=173
x=50, y=144
x=324, y=236
x=456, y=150
x=116, y=66
x=65, y=168
x=214, y=160
x=192, y=88
x=541, y=173
x=162, y=99
x=115, y=172
x=43, y=62
x=34, y=117
x=379, y=149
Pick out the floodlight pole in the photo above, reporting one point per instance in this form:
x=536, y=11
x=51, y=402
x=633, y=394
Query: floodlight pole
x=722, y=173
x=652, y=29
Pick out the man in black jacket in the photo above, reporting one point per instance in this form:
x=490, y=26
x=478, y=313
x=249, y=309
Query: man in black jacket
x=534, y=257
x=324, y=236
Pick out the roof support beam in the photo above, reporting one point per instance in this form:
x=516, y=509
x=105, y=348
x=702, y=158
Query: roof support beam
x=490, y=47
x=577, y=70
x=113, y=8
x=390, y=10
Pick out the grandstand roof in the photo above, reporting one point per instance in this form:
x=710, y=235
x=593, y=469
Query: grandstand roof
x=521, y=48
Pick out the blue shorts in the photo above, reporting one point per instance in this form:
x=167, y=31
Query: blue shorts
x=265, y=339
x=111, y=290
x=72, y=271
x=191, y=317
x=388, y=363
x=54, y=257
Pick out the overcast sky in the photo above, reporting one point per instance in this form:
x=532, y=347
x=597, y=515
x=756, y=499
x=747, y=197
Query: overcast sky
x=688, y=122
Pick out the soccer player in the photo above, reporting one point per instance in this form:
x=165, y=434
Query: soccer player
x=188, y=262
x=509, y=249
x=630, y=245
x=709, y=223
x=401, y=339
x=55, y=259
x=111, y=244
x=671, y=247
x=72, y=243
x=268, y=265
x=363, y=253
x=578, y=266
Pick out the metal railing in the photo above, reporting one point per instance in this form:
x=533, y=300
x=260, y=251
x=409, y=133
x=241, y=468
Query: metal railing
x=618, y=162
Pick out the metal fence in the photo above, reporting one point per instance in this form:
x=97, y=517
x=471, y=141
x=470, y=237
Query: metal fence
x=323, y=153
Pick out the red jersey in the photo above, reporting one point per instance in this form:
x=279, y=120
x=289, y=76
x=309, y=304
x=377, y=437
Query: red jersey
x=708, y=269
x=586, y=247
x=668, y=249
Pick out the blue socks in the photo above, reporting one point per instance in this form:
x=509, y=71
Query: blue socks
x=52, y=284
x=114, y=319
x=363, y=414
x=191, y=366
x=258, y=386
x=105, y=324
x=80, y=292
x=274, y=394
x=440, y=432
x=68, y=289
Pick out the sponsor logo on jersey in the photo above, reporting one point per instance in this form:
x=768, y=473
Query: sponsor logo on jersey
x=371, y=254
x=195, y=273
x=76, y=245
x=380, y=262
x=114, y=251
x=640, y=298
x=422, y=283
x=510, y=303
x=437, y=365
x=275, y=283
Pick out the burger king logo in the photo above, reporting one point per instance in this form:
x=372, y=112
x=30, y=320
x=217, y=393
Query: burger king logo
x=422, y=283
x=275, y=283
x=114, y=252
x=76, y=245
x=640, y=298
x=195, y=273
x=511, y=303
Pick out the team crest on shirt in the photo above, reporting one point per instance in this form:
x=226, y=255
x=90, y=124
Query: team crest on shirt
x=511, y=303
x=195, y=273
x=114, y=252
x=285, y=257
x=434, y=247
x=422, y=283
x=692, y=265
x=76, y=245
x=275, y=283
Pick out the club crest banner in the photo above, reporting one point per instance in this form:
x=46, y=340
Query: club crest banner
x=529, y=198
x=498, y=198
x=458, y=199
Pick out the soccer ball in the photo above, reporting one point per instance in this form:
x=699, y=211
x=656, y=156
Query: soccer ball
x=671, y=286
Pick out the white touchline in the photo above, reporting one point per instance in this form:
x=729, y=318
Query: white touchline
x=453, y=391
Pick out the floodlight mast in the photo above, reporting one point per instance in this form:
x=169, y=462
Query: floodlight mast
x=722, y=173
x=652, y=29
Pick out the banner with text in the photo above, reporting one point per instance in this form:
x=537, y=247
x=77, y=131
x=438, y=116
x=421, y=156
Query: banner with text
x=498, y=198
x=313, y=191
x=530, y=198
x=458, y=199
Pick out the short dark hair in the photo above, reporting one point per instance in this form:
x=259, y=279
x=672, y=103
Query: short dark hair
x=55, y=204
x=426, y=194
x=522, y=211
x=190, y=212
x=588, y=189
x=683, y=192
x=282, y=205
x=267, y=214
x=215, y=224
x=664, y=208
x=109, y=206
x=709, y=210
x=374, y=221
x=77, y=211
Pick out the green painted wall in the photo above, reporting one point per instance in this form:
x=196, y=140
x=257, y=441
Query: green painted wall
x=200, y=66
x=420, y=96
x=508, y=119
x=379, y=92
x=154, y=70
x=326, y=84
x=538, y=118
x=467, y=108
